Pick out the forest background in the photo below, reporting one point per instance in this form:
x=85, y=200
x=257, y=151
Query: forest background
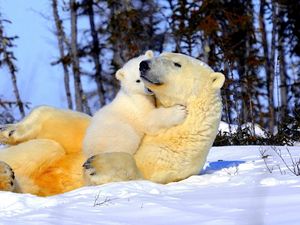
x=256, y=44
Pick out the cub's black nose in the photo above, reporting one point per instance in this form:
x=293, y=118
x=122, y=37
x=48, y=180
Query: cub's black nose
x=144, y=66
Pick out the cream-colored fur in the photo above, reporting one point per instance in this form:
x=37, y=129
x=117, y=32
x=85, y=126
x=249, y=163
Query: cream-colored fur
x=45, y=151
x=181, y=151
x=111, y=167
x=66, y=127
x=48, y=141
x=121, y=125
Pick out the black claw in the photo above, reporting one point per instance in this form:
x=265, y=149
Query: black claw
x=88, y=162
x=11, y=133
x=91, y=158
x=13, y=176
x=87, y=165
x=11, y=183
x=93, y=173
x=3, y=128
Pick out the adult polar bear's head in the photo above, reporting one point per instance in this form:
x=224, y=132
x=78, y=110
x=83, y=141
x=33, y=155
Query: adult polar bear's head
x=175, y=77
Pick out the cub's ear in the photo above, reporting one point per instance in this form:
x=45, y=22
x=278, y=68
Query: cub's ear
x=217, y=79
x=120, y=74
x=149, y=54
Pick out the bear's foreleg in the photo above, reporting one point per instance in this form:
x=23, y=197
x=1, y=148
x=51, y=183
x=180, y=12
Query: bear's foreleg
x=164, y=118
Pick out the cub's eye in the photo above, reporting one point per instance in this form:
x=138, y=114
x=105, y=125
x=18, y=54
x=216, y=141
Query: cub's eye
x=177, y=64
x=138, y=81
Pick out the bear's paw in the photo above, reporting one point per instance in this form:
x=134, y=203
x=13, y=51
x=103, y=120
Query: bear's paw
x=7, y=177
x=7, y=133
x=13, y=133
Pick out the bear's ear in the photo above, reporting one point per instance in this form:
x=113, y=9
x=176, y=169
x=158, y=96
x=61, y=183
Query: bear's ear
x=149, y=54
x=217, y=79
x=120, y=74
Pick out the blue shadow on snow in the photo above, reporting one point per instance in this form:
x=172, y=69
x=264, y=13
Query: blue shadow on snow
x=219, y=165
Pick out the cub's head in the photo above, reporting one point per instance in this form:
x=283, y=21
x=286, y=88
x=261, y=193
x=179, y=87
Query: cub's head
x=129, y=75
x=174, y=77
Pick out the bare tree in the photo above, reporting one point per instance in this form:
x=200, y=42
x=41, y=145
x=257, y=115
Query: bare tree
x=61, y=37
x=96, y=53
x=8, y=59
x=80, y=99
x=282, y=64
x=270, y=76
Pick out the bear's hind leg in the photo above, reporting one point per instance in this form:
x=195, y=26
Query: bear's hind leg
x=27, y=129
x=7, y=177
x=13, y=134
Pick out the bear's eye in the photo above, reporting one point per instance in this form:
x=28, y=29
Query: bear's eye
x=138, y=81
x=177, y=64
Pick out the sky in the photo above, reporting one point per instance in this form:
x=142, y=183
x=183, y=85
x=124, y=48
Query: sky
x=39, y=82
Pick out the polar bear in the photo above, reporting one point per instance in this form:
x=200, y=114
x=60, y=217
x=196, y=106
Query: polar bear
x=180, y=151
x=130, y=116
x=120, y=126
x=48, y=159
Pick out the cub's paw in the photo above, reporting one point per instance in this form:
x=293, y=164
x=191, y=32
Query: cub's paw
x=89, y=171
x=7, y=177
x=96, y=170
x=110, y=167
x=179, y=114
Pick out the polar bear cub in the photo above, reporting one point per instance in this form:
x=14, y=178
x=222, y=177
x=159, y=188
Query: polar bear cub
x=121, y=125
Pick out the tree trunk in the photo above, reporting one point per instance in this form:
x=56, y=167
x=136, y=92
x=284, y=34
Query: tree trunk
x=96, y=54
x=283, y=72
x=246, y=87
x=283, y=79
x=61, y=37
x=14, y=82
x=269, y=60
x=79, y=97
x=270, y=76
x=177, y=38
x=8, y=60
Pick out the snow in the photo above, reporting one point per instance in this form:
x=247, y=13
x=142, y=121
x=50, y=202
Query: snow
x=234, y=188
x=230, y=128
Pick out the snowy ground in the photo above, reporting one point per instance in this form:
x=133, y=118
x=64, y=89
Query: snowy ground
x=255, y=129
x=235, y=188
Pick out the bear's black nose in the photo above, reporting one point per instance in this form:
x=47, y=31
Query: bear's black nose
x=144, y=66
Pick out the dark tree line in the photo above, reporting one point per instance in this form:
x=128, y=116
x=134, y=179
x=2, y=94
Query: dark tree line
x=255, y=43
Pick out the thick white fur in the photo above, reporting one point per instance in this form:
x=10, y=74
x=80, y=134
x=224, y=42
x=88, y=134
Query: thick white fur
x=182, y=150
x=121, y=125
x=47, y=157
x=111, y=167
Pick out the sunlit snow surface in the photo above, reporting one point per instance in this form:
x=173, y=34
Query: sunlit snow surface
x=234, y=188
x=254, y=129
